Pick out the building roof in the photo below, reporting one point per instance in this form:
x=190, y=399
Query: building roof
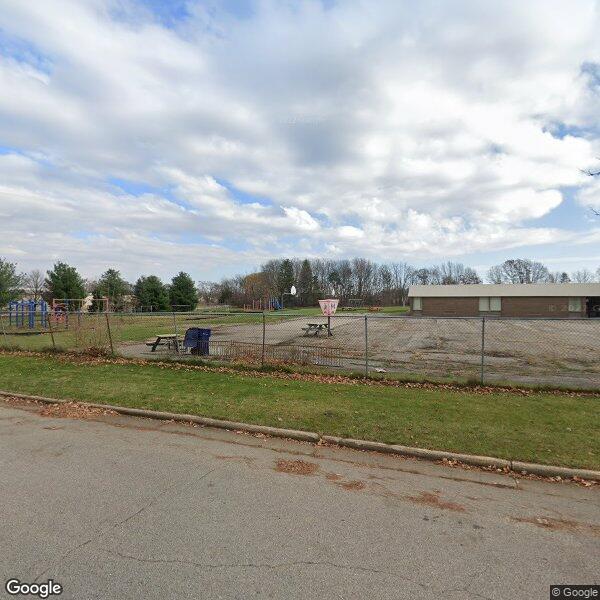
x=503, y=290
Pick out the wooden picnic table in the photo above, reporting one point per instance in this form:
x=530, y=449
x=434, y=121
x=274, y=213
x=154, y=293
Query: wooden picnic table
x=164, y=339
x=316, y=328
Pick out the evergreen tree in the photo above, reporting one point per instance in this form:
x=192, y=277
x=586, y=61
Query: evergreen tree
x=285, y=276
x=10, y=282
x=112, y=286
x=182, y=292
x=335, y=281
x=63, y=281
x=151, y=293
x=306, y=283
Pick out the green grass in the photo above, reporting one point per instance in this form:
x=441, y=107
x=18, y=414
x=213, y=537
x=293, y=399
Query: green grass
x=546, y=428
x=394, y=309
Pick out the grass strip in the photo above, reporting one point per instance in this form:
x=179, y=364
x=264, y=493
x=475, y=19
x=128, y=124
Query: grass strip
x=539, y=427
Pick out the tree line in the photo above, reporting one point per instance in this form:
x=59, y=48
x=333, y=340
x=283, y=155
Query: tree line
x=363, y=281
x=63, y=282
x=359, y=280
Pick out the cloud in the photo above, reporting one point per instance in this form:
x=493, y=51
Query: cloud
x=387, y=129
x=590, y=194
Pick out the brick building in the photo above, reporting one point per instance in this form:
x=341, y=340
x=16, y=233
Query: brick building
x=560, y=300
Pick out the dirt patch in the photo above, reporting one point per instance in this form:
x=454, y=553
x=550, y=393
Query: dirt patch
x=296, y=467
x=74, y=410
x=333, y=476
x=553, y=524
x=433, y=499
x=353, y=486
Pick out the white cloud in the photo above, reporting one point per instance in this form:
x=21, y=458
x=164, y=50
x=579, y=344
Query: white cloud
x=390, y=129
x=301, y=218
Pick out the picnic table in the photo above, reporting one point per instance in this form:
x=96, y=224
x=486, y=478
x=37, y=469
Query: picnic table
x=164, y=339
x=316, y=328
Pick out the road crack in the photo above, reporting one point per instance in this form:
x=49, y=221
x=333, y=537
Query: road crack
x=251, y=565
x=99, y=534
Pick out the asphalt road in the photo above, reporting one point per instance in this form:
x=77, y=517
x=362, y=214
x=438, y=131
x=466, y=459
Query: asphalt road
x=117, y=507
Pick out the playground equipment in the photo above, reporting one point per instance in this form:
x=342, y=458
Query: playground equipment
x=61, y=308
x=264, y=304
x=80, y=305
x=27, y=311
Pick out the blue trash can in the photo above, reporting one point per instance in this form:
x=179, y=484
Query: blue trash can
x=197, y=340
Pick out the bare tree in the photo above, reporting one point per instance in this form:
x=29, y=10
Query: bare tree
x=363, y=272
x=402, y=275
x=495, y=274
x=519, y=270
x=456, y=273
x=582, y=276
x=421, y=276
x=34, y=284
x=208, y=292
x=592, y=173
x=559, y=277
x=385, y=284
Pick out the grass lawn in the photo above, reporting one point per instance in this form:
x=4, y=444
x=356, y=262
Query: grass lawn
x=394, y=309
x=546, y=428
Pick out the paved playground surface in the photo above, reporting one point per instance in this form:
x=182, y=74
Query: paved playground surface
x=527, y=351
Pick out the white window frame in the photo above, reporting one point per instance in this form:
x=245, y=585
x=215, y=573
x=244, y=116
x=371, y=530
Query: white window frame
x=575, y=304
x=495, y=304
x=490, y=304
x=417, y=303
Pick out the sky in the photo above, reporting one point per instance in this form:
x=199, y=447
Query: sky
x=210, y=136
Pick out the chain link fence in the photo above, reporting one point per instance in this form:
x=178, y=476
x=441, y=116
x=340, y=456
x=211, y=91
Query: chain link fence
x=553, y=352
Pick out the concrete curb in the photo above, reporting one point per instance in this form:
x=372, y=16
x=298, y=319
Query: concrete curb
x=303, y=436
x=308, y=436
x=469, y=459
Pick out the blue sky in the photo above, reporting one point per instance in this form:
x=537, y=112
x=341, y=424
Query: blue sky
x=208, y=137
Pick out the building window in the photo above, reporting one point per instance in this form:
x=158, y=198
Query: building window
x=417, y=304
x=493, y=304
x=574, y=304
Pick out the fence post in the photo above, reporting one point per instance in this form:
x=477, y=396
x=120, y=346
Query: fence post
x=264, y=336
x=176, y=335
x=482, y=347
x=51, y=330
x=110, y=340
x=3, y=328
x=366, y=346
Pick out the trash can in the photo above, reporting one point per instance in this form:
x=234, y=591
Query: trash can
x=197, y=340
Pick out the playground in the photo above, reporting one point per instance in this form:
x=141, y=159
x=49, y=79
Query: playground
x=37, y=316
x=553, y=352
x=28, y=314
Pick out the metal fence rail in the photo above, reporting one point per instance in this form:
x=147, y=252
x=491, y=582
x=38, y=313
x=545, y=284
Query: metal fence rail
x=558, y=352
